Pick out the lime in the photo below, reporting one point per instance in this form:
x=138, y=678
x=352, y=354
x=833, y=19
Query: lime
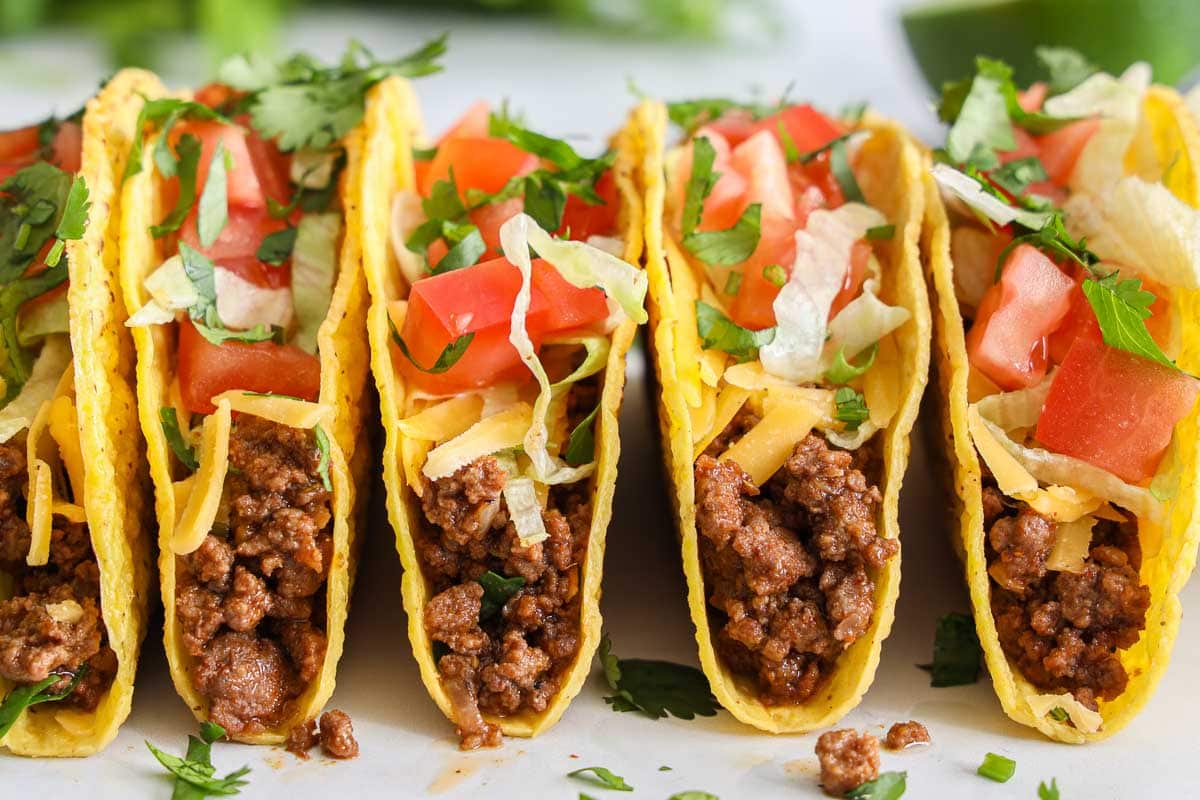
x=945, y=37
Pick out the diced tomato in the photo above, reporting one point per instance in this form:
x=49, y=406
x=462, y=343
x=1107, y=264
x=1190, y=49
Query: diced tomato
x=752, y=306
x=1027, y=147
x=1007, y=342
x=243, y=186
x=725, y=203
x=1114, y=409
x=581, y=219
x=19, y=144
x=271, y=167
x=236, y=247
x=1032, y=98
x=1061, y=149
x=814, y=186
x=734, y=126
x=471, y=125
x=489, y=218
x=479, y=299
x=761, y=162
x=215, y=95
x=206, y=369
x=807, y=127
x=478, y=163
x=421, y=171
x=856, y=275
x=67, y=147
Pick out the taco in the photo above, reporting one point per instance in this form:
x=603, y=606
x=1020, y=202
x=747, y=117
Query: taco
x=241, y=269
x=790, y=336
x=1066, y=273
x=74, y=542
x=500, y=380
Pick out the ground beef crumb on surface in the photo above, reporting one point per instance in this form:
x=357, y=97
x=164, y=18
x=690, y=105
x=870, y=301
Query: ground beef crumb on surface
x=302, y=738
x=1065, y=630
x=906, y=734
x=848, y=760
x=786, y=564
x=53, y=622
x=249, y=601
x=337, y=735
x=511, y=662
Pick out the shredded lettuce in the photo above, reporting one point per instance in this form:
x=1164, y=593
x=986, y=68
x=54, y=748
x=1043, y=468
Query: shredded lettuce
x=969, y=191
x=596, y=348
x=170, y=290
x=524, y=507
x=406, y=217
x=47, y=370
x=1103, y=95
x=314, y=264
x=312, y=169
x=1019, y=409
x=242, y=305
x=865, y=320
x=38, y=320
x=802, y=306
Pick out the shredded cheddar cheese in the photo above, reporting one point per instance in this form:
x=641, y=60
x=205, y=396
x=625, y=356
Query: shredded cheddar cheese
x=1011, y=477
x=290, y=411
x=1061, y=503
x=1072, y=543
x=40, y=510
x=729, y=402
x=63, y=425
x=503, y=431
x=766, y=446
x=443, y=420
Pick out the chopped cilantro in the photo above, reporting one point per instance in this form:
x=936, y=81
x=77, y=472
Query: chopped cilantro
x=276, y=247
x=186, y=454
x=851, y=408
x=214, y=198
x=186, y=166
x=1015, y=176
x=194, y=773
x=22, y=697
x=449, y=356
x=1048, y=792
x=1067, y=68
x=880, y=233
x=775, y=275
x=956, y=652
x=700, y=183
x=733, y=283
x=216, y=333
x=463, y=253
x=201, y=272
x=843, y=371
x=581, y=445
x=424, y=153
x=888, y=786
x=812, y=155
x=839, y=165
x=790, y=151
x=731, y=246
x=719, y=332
x=602, y=777
x=162, y=114
x=655, y=688
x=497, y=590
x=997, y=768
x=853, y=112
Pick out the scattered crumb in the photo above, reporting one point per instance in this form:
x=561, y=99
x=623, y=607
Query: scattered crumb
x=907, y=734
x=848, y=760
x=337, y=735
x=302, y=738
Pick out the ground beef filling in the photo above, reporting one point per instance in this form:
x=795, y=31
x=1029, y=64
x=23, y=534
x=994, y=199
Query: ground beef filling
x=906, y=734
x=250, y=600
x=848, y=760
x=335, y=735
x=512, y=661
x=52, y=623
x=1064, y=630
x=786, y=564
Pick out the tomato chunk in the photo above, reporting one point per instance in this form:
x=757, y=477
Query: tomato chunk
x=478, y=163
x=1114, y=409
x=807, y=127
x=1007, y=343
x=206, y=369
x=19, y=144
x=243, y=186
x=856, y=275
x=582, y=219
x=1061, y=149
x=753, y=306
x=473, y=124
x=479, y=300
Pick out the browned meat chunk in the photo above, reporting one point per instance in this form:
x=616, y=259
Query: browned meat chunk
x=786, y=564
x=337, y=735
x=1065, y=630
x=906, y=734
x=247, y=680
x=511, y=661
x=40, y=634
x=246, y=598
x=848, y=760
x=302, y=738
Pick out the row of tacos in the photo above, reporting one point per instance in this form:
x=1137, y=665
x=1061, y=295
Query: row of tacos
x=223, y=253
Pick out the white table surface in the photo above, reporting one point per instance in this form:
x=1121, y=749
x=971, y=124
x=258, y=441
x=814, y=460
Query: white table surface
x=575, y=83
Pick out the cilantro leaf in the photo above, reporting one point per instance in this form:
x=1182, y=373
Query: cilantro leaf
x=74, y=216
x=464, y=253
x=1015, y=176
x=655, y=688
x=1048, y=792
x=322, y=440
x=733, y=282
x=956, y=652
x=186, y=454
x=731, y=246
x=851, y=408
x=880, y=233
x=1051, y=238
x=22, y=697
x=1067, y=68
x=194, y=774
x=601, y=776
x=581, y=445
x=997, y=768
x=810, y=155
x=844, y=371
x=217, y=334
x=201, y=272
x=497, y=591
x=888, y=786
x=302, y=104
x=790, y=151
x=556, y=151
x=188, y=151
x=444, y=201
x=214, y=205
x=693, y=794
x=700, y=183
x=545, y=200
x=839, y=165
x=449, y=356
x=719, y=332
x=981, y=124
x=1059, y=714
x=691, y=114
x=1121, y=308
x=163, y=113
x=276, y=247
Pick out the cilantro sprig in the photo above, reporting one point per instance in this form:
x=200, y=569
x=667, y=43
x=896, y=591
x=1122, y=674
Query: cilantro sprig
x=32, y=694
x=497, y=591
x=602, y=777
x=850, y=408
x=1121, y=308
x=449, y=356
x=581, y=444
x=185, y=452
x=655, y=688
x=956, y=652
x=195, y=775
x=719, y=332
x=728, y=247
x=888, y=786
x=322, y=440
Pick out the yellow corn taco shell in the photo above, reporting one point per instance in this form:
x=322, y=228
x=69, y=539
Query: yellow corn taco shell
x=344, y=363
x=889, y=172
x=94, y=415
x=1165, y=147
x=393, y=127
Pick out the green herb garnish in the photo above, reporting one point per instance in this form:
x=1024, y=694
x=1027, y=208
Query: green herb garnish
x=1059, y=714
x=851, y=408
x=179, y=446
x=719, y=332
x=1015, y=176
x=775, y=275
x=880, y=233
x=449, y=356
x=1121, y=308
x=497, y=591
x=194, y=773
x=693, y=794
x=22, y=697
x=187, y=164
x=1067, y=68
x=276, y=247
x=888, y=786
x=1048, y=792
x=839, y=166
x=956, y=652
x=843, y=371
x=322, y=440
x=732, y=283
x=602, y=777
x=997, y=768
x=214, y=197
x=655, y=688
x=731, y=246
x=162, y=114
x=581, y=445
